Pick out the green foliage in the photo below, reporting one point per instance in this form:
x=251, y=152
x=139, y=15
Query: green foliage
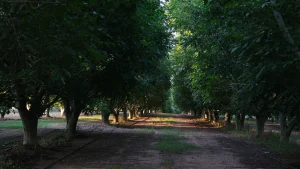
x=234, y=56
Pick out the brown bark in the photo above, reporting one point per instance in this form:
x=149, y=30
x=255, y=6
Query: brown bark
x=71, y=125
x=211, y=116
x=2, y=115
x=29, y=117
x=105, y=117
x=260, y=125
x=227, y=119
x=141, y=112
x=286, y=130
x=240, y=120
x=62, y=111
x=48, y=112
x=124, y=113
x=72, y=111
x=116, y=115
x=131, y=113
x=134, y=113
x=216, y=116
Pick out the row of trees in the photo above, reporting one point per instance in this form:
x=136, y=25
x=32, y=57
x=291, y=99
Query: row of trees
x=238, y=57
x=107, y=55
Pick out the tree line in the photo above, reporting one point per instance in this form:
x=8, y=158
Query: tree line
x=89, y=55
x=239, y=58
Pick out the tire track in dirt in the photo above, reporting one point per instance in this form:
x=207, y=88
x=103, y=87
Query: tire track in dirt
x=86, y=144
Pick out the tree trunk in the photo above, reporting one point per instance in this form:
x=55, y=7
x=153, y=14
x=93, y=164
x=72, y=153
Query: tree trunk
x=67, y=110
x=238, y=121
x=227, y=119
x=62, y=111
x=72, y=114
x=105, y=117
x=116, y=115
x=216, y=116
x=124, y=114
x=208, y=115
x=242, y=120
x=211, y=116
x=260, y=125
x=48, y=112
x=283, y=127
x=71, y=125
x=2, y=115
x=286, y=130
x=131, y=114
x=134, y=113
x=142, y=112
x=30, y=131
x=30, y=123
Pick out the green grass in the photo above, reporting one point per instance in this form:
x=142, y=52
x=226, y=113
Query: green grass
x=168, y=163
x=17, y=124
x=170, y=141
x=275, y=145
x=271, y=141
x=90, y=118
x=145, y=130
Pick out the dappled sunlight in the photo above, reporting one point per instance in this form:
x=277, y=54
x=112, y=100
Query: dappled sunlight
x=161, y=120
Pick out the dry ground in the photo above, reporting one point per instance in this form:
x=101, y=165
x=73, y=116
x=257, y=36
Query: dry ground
x=135, y=147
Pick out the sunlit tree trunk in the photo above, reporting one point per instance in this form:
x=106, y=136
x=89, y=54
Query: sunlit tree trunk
x=62, y=112
x=116, y=115
x=48, y=112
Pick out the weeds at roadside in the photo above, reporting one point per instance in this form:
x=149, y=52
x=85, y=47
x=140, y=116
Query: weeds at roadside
x=168, y=163
x=271, y=141
x=54, y=140
x=16, y=157
x=170, y=141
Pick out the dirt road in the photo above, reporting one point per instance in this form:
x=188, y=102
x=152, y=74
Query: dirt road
x=145, y=145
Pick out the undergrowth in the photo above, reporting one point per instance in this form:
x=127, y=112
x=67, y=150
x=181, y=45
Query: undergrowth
x=15, y=155
x=271, y=140
x=171, y=141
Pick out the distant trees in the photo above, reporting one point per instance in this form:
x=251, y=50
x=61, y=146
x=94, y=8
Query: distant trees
x=243, y=59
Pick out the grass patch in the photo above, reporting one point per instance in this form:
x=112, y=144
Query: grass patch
x=270, y=140
x=275, y=145
x=145, y=130
x=54, y=140
x=90, y=118
x=18, y=156
x=17, y=124
x=168, y=163
x=170, y=141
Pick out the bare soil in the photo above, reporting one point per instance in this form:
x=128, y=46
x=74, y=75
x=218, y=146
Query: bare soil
x=131, y=146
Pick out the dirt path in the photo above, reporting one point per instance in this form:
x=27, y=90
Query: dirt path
x=136, y=148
